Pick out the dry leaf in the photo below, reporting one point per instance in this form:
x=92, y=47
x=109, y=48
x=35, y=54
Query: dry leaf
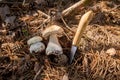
x=10, y=20
x=4, y=11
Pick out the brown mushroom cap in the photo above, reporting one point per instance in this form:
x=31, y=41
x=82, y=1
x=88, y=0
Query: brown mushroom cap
x=53, y=29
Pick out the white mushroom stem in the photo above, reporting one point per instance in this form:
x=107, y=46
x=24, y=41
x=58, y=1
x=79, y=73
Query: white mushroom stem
x=54, y=46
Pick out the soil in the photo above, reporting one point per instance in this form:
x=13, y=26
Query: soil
x=20, y=21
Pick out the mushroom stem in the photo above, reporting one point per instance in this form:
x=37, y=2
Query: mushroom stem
x=54, y=46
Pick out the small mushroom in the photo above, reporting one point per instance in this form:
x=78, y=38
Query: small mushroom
x=35, y=44
x=34, y=40
x=53, y=46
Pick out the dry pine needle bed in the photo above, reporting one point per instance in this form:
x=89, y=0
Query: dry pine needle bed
x=97, y=57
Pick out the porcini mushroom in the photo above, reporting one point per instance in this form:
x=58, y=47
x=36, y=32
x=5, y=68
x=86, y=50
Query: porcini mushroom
x=35, y=44
x=34, y=40
x=53, y=46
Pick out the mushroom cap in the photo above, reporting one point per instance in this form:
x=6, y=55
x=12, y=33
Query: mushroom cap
x=53, y=29
x=37, y=47
x=34, y=39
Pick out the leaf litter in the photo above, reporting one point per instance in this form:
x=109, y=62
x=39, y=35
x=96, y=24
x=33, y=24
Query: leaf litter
x=92, y=60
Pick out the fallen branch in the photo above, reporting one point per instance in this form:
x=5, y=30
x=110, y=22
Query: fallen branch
x=73, y=7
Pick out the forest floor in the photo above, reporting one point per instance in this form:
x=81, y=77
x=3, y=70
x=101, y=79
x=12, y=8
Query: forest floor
x=97, y=57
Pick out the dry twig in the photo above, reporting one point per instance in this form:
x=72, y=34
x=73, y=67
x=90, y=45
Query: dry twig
x=66, y=24
x=70, y=9
x=35, y=77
